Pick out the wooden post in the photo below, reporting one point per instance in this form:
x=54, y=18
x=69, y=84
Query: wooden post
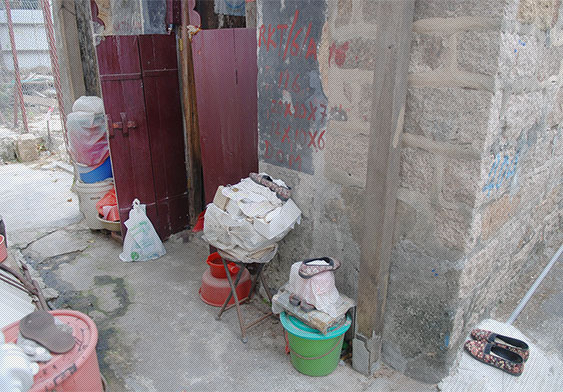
x=70, y=63
x=189, y=102
x=393, y=41
x=87, y=49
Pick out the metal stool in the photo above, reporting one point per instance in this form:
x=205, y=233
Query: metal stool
x=258, y=275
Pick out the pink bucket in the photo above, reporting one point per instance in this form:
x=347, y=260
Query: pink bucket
x=75, y=370
x=3, y=250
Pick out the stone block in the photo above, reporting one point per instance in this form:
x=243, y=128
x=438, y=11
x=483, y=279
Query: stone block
x=497, y=213
x=550, y=61
x=454, y=8
x=26, y=147
x=461, y=180
x=453, y=115
x=542, y=13
x=478, y=51
x=343, y=13
x=428, y=52
x=369, y=10
x=346, y=159
x=519, y=56
x=523, y=111
x=417, y=171
x=452, y=228
x=356, y=53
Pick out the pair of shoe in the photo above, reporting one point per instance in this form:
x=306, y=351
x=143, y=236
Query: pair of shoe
x=503, y=352
x=283, y=193
x=312, y=267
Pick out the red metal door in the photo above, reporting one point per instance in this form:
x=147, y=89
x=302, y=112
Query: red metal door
x=225, y=72
x=139, y=80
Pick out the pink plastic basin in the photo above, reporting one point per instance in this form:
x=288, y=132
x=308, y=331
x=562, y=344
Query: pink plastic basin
x=76, y=370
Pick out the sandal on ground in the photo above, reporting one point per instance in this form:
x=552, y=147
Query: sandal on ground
x=312, y=267
x=515, y=345
x=493, y=355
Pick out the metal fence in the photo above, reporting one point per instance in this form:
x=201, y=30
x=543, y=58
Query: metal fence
x=27, y=72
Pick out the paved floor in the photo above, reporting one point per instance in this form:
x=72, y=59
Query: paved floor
x=155, y=332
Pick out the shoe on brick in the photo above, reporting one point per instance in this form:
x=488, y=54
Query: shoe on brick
x=515, y=345
x=493, y=355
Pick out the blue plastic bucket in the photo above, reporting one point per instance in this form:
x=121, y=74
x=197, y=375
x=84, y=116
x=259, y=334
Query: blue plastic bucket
x=100, y=173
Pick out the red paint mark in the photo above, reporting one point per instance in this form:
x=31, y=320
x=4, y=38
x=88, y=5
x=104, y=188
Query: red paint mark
x=294, y=46
x=261, y=35
x=295, y=17
x=286, y=134
x=312, y=110
x=323, y=112
x=268, y=145
x=312, y=137
x=311, y=49
x=281, y=29
x=339, y=53
x=295, y=160
x=270, y=34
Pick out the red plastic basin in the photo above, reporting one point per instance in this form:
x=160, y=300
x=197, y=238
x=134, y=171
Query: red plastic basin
x=75, y=370
x=217, y=269
x=214, y=291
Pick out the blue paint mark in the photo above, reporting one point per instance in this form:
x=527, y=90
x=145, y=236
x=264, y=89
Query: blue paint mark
x=447, y=340
x=521, y=42
x=507, y=170
x=515, y=50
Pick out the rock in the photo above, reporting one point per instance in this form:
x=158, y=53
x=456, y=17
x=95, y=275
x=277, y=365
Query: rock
x=26, y=147
x=7, y=146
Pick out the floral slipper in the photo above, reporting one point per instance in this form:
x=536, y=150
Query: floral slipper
x=517, y=346
x=493, y=355
x=312, y=267
x=283, y=193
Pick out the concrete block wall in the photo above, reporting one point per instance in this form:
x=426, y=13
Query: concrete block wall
x=480, y=195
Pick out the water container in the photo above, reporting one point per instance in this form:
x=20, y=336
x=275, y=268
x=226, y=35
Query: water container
x=75, y=370
x=88, y=196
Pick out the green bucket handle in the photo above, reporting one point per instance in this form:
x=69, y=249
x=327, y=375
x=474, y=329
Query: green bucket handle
x=319, y=356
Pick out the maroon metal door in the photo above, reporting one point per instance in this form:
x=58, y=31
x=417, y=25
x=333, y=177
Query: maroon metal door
x=139, y=80
x=225, y=71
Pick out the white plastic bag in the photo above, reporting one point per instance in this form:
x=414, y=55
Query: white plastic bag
x=141, y=241
x=318, y=290
x=88, y=143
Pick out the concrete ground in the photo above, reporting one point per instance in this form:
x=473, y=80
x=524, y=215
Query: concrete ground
x=155, y=333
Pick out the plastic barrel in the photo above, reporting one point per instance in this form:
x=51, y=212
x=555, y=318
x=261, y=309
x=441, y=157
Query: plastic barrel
x=88, y=196
x=75, y=370
x=100, y=173
x=313, y=353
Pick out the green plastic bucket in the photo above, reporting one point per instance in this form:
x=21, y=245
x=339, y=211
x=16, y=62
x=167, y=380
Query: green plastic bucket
x=313, y=353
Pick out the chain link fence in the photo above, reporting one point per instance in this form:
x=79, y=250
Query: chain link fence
x=41, y=115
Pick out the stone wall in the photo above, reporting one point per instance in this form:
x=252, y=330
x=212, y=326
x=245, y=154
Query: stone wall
x=480, y=191
x=480, y=195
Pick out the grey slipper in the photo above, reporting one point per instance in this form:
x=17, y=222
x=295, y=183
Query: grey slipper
x=40, y=327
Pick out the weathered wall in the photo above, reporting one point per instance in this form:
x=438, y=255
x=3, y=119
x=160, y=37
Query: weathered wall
x=480, y=197
x=323, y=155
x=481, y=168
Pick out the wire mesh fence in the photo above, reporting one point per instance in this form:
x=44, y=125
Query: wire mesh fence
x=24, y=55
